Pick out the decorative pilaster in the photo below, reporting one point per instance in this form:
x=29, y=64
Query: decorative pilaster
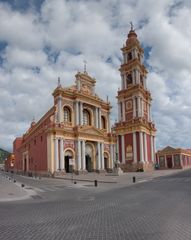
x=81, y=114
x=77, y=112
x=98, y=157
x=59, y=109
x=62, y=165
x=141, y=147
x=79, y=156
x=56, y=154
x=83, y=156
x=102, y=156
x=145, y=147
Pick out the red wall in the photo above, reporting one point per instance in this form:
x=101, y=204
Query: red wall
x=128, y=141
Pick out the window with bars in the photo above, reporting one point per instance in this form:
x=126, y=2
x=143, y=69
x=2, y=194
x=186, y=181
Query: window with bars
x=86, y=117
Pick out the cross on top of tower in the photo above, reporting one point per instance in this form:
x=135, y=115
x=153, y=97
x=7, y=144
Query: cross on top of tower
x=85, y=65
x=59, y=84
x=132, y=26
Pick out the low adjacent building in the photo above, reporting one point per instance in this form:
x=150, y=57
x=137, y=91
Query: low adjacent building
x=173, y=158
x=9, y=162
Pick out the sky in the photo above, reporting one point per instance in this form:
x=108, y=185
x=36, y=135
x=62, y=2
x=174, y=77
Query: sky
x=41, y=40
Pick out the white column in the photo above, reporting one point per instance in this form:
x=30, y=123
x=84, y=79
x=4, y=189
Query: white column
x=83, y=156
x=111, y=156
x=181, y=161
x=59, y=109
x=117, y=149
x=142, y=107
x=141, y=146
x=62, y=154
x=77, y=113
x=139, y=106
x=123, y=148
x=56, y=154
x=165, y=160
x=134, y=107
x=79, y=155
x=145, y=146
x=152, y=149
x=123, y=105
x=99, y=118
x=108, y=123
x=98, y=157
x=119, y=112
x=102, y=156
x=172, y=160
x=137, y=76
x=150, y=119
x=81, y=114
x=96, y=117
x=134, y=148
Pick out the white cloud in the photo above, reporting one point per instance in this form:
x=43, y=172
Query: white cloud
x=55, y=40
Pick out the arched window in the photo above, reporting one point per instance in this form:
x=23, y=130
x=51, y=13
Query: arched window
x=129, y=79
x=103, y=122
x=129, y=56
x=86, y=117
x=141, y=80
x=67, y=114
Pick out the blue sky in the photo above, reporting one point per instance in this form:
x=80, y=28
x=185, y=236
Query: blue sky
x=41, y=40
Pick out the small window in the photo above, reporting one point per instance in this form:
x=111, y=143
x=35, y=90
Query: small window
x=86, y=117
x=67, y=114
x=129, y=79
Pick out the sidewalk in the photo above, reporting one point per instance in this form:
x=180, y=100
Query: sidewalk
x=122, y=179
x=10, y=191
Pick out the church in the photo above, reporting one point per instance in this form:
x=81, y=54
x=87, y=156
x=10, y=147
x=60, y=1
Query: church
x=76, y=134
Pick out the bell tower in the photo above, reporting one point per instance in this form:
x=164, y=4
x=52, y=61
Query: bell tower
x=135, y=129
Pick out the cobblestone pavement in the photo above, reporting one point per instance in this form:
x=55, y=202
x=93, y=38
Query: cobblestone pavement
x=158, y=209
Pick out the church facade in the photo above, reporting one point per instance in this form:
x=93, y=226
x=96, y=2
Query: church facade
x=135, y=129
x=75, y=134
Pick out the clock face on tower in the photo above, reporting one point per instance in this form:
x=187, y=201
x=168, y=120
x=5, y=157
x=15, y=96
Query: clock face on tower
x=128, y=105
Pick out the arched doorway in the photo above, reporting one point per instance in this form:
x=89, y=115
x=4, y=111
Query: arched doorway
x=67, y=156
x=106, y=161
x=89, y=157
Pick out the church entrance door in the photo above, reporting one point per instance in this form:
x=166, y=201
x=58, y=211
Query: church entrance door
x=105, y=163
x=169, y=162
x=88, y=163
x=68, y=167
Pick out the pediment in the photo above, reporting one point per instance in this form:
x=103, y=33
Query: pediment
x=168, y=149
x=90, y=130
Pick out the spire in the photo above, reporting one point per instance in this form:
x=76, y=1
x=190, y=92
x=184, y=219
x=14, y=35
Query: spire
x=59, y=84
x=85, y=65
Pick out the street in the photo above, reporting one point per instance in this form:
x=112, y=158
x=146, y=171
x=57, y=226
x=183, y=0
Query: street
x=156, y=209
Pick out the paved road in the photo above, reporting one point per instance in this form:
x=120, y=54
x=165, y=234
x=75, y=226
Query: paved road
x=157, y=209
